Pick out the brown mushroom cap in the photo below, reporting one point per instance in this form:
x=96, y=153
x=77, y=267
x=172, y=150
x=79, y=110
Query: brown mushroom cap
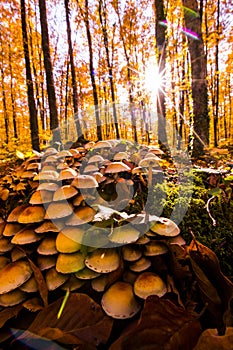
x=32, y=214
x=50, y=226
x=4, y=261
x=14, y=275
x=154, y=248
x=120, y=156
x=119, y=301
x=14, y=214
x=69, y=263
x=40, y=197
x=85, y=181
x=90, y=168
x=87, y=274
x=11, y=229
x=81, y=215
x=131, y=252
x=54, y=279
x=26, y=236
x=99, y=284
x=148, y=283
x=67, y=174
x=73, y=283
x=58, y=210
x=150, y=161
x=45, y=262
x=102, y=144
x=5, y=245
x=103, y=260
x=64, y=192
x=48, y=186
x=46, y=175
x=116, y=167
x=140, y=265
x=12, y=298
x=165, y=228
x=124, y=234
x=47, y=246
x=65, y=244
x=30, y=286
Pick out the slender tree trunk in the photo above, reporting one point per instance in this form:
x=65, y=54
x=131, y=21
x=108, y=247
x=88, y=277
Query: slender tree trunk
x=54, y=123
x=103, y=21
x=12, y=95
x=161, y=45
x=92, y=71
x=30, y=92
x=216, y=77
x=73, y=74
x=199, y=83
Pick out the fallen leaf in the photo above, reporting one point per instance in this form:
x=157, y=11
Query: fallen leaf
x=210, y=339
x=162, y=326
x=9, y=313
x=42, y=286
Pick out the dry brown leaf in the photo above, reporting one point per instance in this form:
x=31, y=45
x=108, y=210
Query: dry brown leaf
x=42, y=286
x=81, y=318
x=210, y=339
x=9, y=313
x=162, y=326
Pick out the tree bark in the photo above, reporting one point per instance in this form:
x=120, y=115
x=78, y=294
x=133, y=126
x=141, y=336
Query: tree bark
x=199, y=83
x=29, y=81
x=161, y=48
x=54, y=123
x=73, y=75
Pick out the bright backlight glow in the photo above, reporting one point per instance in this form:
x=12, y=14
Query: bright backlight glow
x=154, y=79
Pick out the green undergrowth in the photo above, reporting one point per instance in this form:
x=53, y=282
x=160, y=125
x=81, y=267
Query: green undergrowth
x=187, y=205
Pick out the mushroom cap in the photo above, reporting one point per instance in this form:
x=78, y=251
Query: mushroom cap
x=78, y=200
x=86, y=274
x=50, y=226
x=176, y=240
x=11, y=229
x=47, y=246
x=5, y=245
x=64, y=192
x=14, y=214
x=81, y=215
x=67, y=174
x=4, y=261
x=150, y=161
x=26, y=236
x=102, y=144
x=32, y=214
x=64, y=242
x=120, y=156
x=40, y=197
x=103, y=260
x=124, y=234
x=69, y=263
x=14, y=275
x=119, y=301
x=148, y=283
x=58, y=210
x=154, y=248
x=140, y=265
x=33, y=166
x=131, y=252
x=116, y=167
x=165, y=228
x=55, y=279
x=47, y=175
x=45, y=262
x=12, y=298
x=97, y=158
x=30, y=286
x=99, y=284
x=64, y=153
x=29, y=174
x=51, y=159
x=90, y=168
x=48, y=186
x=72, y=284
x=85, y=181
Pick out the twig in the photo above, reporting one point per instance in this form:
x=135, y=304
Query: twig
x=208, y=210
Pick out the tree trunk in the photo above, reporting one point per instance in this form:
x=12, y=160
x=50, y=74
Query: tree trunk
x=54, y=123
x=216, y=78
x=161, y=45
x=199, y=83
x=73, y=75
x=29, y=81
x=102, y=16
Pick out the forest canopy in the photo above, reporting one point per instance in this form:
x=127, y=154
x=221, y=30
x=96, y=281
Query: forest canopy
x=139, y=70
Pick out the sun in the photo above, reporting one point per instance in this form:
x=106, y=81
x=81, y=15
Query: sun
x=154, y=79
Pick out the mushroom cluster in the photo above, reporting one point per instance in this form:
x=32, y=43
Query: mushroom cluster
x=74, y=223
